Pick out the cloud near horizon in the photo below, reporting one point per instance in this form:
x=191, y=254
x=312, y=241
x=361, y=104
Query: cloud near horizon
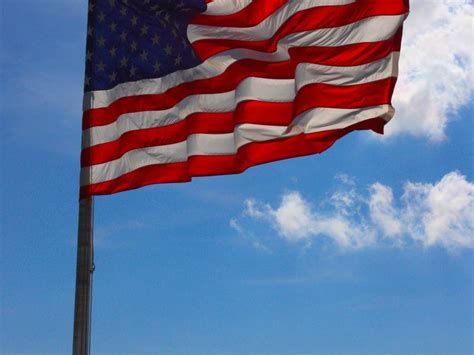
x=425, y=215
x=436, y=68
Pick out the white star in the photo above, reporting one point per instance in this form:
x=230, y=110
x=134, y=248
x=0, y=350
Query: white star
x=123, y=62
x=144, y=55
x=134, y=20
x=89, y=55
x=157, y=66
x=101, y=66
x=101, y=17
x=113, y=52
x=133, y=70
x=101, y=41
x=113, y=26
x=123, y=36
x=87, y=81
x=144, y=30
x=178, y=59
x=134, y=46
x=155, y=39
x=123, y=11
x=113, y=77
x=168, y=49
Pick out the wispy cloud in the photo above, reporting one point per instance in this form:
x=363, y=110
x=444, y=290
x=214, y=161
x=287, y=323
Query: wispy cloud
x=427, y=215
x=254, y=241
x=436, y=73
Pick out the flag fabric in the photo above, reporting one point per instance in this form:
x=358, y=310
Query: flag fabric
x=177, y=89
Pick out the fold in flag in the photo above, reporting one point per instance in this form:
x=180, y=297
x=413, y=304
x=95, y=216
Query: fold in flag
x=176, y=89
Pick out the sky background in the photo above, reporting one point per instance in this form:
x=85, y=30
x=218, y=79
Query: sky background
x=366, y=248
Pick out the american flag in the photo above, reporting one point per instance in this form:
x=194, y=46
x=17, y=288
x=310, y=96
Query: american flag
x=176, y=89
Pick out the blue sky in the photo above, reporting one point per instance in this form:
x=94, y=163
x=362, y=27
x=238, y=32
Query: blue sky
x=366, y=248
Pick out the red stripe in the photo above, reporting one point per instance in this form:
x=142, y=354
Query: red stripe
x=355, y=54
x=348, y=55
x=352, y=96
x=212, y=123
x=249, y=155
x=306, y=20
x=249, y=16
x=310, y=96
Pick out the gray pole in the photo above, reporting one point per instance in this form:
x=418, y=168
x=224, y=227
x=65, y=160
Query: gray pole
x=84, y=269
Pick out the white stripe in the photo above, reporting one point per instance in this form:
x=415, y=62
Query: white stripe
x=372, y=29
x=259, y=89
x=321, y=118
x=225, y=144
x=265, y=29
x=268, y=90
x=337, y=75
x=225, y=7
x=312, y=121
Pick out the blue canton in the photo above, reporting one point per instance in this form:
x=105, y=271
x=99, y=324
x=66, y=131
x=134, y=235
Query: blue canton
x=130, y=40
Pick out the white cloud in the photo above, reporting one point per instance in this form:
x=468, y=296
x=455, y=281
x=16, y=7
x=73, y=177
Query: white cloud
x=293, y=218
x=382, y=211
x=436, y=76
x=441, y=214
x=427, y=215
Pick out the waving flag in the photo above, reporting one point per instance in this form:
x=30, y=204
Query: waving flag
x=176, y=89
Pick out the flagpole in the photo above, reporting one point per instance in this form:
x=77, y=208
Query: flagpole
x=84, y=271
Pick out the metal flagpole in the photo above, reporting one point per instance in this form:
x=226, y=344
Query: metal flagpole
x=84, y=271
